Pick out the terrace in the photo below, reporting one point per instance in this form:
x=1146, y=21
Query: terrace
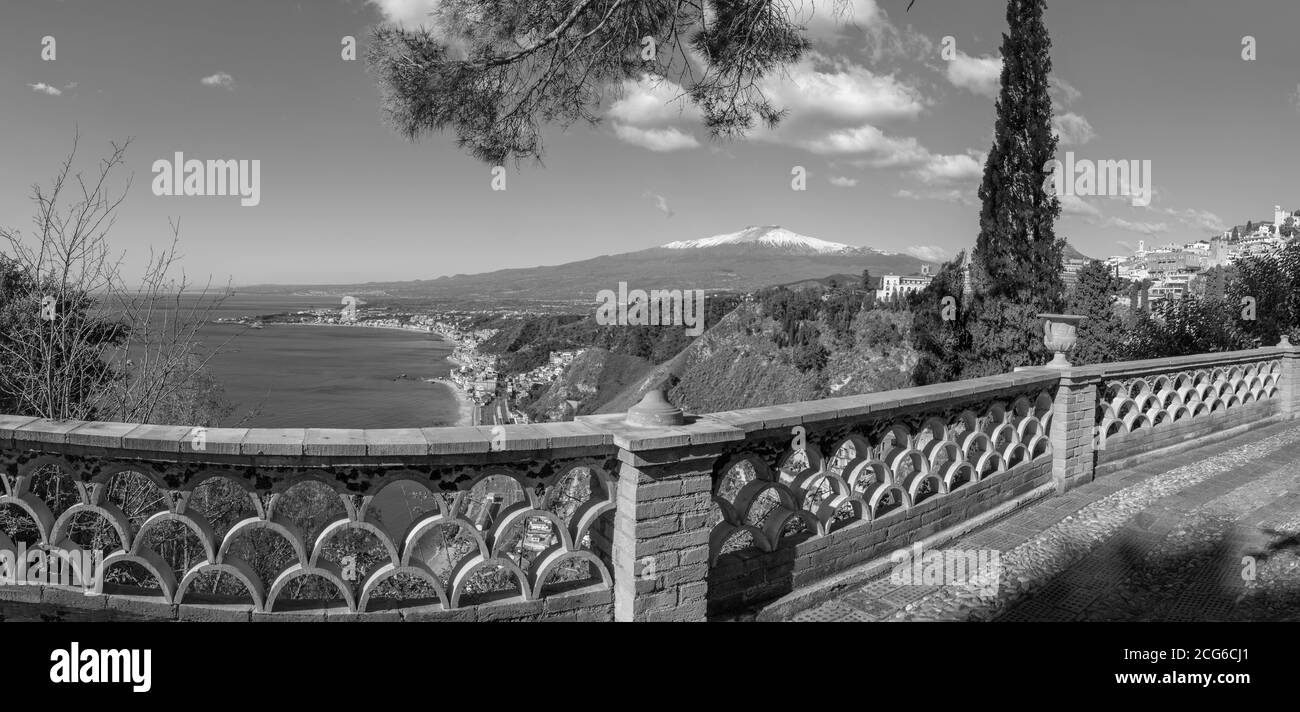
x=610, y=517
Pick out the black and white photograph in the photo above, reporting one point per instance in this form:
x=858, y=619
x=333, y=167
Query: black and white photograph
x=736, y=312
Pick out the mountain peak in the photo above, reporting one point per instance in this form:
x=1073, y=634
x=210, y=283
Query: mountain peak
x=765, y=236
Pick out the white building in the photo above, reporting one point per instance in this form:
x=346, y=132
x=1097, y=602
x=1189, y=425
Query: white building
x=893, y=285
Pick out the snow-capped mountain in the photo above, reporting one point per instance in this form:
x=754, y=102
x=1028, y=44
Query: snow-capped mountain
x=768, y=236
x=739, y=261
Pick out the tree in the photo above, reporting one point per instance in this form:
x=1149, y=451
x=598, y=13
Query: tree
x=78, y=342
x=51, y=346
x=1212, y=283
x=1017, y=253
x=496, y=71
x=938, y=332
x=1017, y=261
x=1265, y=296
x=1191, y=325
x=1102, y=334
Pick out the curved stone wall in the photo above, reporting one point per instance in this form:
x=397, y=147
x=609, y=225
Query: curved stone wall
x=513, y=522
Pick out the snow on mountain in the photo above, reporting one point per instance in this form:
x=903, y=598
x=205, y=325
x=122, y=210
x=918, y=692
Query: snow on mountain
x=767, y=236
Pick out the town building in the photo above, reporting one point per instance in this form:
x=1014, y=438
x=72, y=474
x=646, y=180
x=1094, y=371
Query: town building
x=894, y=286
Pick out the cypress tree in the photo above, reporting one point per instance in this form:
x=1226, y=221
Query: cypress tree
x=1017, y=260
x=1017, y=251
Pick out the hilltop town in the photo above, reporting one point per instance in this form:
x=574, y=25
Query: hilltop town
x=1172, y=270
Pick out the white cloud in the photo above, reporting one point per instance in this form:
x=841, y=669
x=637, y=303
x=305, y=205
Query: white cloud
x=869, y=145
x=661, y=203
x=406, y=12
x=44, y=88
x=1091, y=214
x=955, y=168
x=1073, y=129
x=1202, y=220
x=950, y=195
x=1062, y=91
x=843, y=181
x=652, y=114
x=1142, y=228
x=1074, y=205
x=838, y=92
x=979, y=75
x=826, y=19
x=660, y=140
x=928, y=253
x=220, y=79
x=834, y=107
x=831, y=106
x=651, y=100
x=1198, y=219
x=829, y=23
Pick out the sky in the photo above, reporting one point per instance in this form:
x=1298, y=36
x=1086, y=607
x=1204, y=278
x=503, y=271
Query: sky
x=890, y=117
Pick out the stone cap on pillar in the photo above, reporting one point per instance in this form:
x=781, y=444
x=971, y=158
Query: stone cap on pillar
x=654, y=411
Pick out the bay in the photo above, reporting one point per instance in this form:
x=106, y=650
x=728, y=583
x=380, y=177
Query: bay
x=327, y=376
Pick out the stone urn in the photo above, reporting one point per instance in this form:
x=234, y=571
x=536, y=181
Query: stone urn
x=654, y=410
x=1060, y=331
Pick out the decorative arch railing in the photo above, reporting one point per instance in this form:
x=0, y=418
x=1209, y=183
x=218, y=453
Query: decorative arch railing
x=426, y=523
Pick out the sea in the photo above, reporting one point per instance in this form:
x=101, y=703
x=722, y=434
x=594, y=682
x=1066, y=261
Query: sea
x=292, y=376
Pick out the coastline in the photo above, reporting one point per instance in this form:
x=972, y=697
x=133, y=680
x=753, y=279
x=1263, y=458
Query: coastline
x=465, y=406
x=409, y=330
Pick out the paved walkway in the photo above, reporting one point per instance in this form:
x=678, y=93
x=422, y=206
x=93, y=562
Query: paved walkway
x=1208, y=534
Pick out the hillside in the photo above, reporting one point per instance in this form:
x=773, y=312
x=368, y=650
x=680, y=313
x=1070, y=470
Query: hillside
x=595, y=376
x=739, y=364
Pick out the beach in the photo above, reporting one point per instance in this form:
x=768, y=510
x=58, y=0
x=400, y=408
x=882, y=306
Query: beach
x=464, y=404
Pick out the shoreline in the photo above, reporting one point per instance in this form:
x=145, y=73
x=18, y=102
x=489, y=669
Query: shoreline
x=465, y=406
x=441, y=337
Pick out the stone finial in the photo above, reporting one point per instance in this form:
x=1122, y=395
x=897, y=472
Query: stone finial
x=1285, y=342
x=654, y=410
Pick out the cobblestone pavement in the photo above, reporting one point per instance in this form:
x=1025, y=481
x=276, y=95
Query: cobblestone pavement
x=1208, y=534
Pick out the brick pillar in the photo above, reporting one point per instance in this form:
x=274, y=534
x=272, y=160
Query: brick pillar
x=1074, y=421
x=1289, y=383
x=661, y=527
x=661, y=541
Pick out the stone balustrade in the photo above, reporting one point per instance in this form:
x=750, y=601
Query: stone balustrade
x=596, y=519
x=308, y=523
